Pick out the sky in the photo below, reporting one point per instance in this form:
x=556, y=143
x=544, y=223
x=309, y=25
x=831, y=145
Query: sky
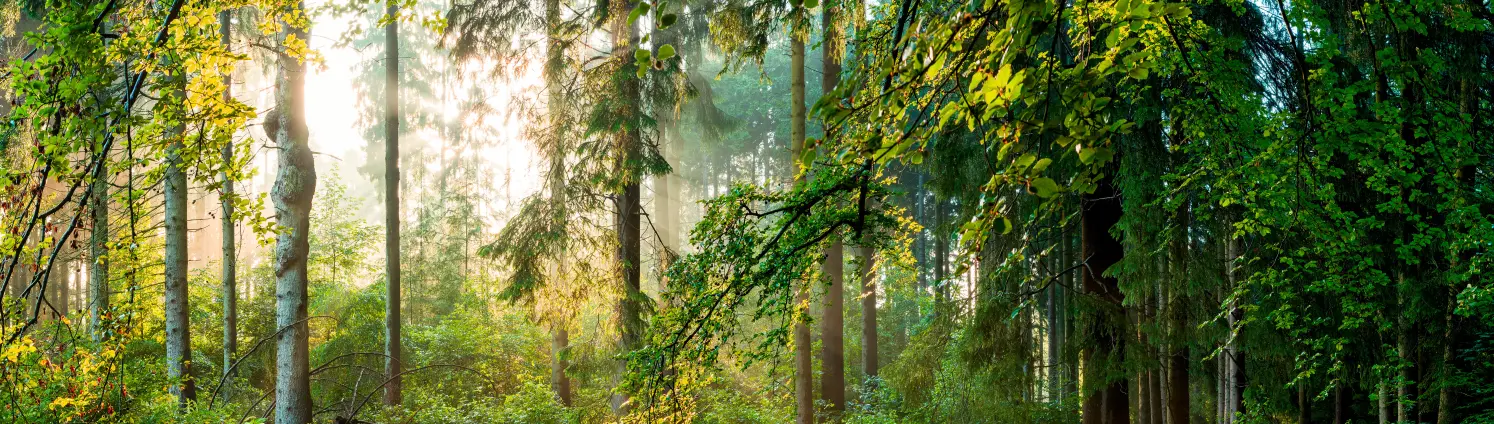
x=332, y=116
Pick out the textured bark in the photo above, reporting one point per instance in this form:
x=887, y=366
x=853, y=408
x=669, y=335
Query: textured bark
x=177, y=307
x=559, y=337
x=803, y=361
x=1304, y=405
x=1233, y=395
x=295, y=184
x=393, y=394
x=627, y=220
x=1178, y=394
x=230, y=256
x=1101, y=211
x=832, y=332
x=833, y=362
x=869, y=342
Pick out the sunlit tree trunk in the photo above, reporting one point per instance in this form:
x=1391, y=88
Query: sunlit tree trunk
x=628, y=145
x=230, y=291
x=177, y=306
x=295, y=184
x=98, y=274
x=1101, y=211
x=832, y=325
x=559, y=337
x=392, y=334
x=803, y=360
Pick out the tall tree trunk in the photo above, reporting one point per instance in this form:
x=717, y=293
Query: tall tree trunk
x=1101, y=211
x=98, y=275
x=1232, y=388
x=230, y=256
x=1304, y=404
x=803, y=361
x=628, y=217
x=177, y=306
x=833, y=362
x=1178, y=393
x=63, y=278
x=295, y=184
x=869, y=342
x=560, y=338
x=393, y=355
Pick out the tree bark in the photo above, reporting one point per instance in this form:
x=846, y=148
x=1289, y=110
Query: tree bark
x=177, y=305
x=230, y=256
x=555, y=61
x=1101, y=211
x=295, y=184
x=98, y=275
x=803, y=361
x=628, y=217
x=833, y=384
x=393, y=355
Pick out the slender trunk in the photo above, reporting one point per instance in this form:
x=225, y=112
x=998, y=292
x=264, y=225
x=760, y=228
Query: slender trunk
x=869, y=340
x=1383, y=396
x=1101, y=211
x=833, y=385
x=832, y=333
x=560, y=341
x=628, y=210
x=1178, y=393
x=555, y=61
x=295, y=184
x=1304, y=404
x=1234, y=357
x=62, y=281
x=803, y=362
x=99, y=253
x=393, y=355
x=230, y=257
x=177, y=306
x=1403, y=360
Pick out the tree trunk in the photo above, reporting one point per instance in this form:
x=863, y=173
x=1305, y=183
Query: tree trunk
x=177, y=306
x=833, y=384
x=230, y=257
x=1101, y=211
x=555, y=61
x=1304, y=404
x=803, y=363
x=295, y=184
x=98, y=275
x=393, y=355
x=1234, y=357
x=560, y=341
x=628, y=209
x=832, y=332
x=869, y=342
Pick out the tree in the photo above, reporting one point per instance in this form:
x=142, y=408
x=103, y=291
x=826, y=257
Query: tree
x=230, y=290
x=803, y=346
x=295, y=183
x=392, y=333
x=628, y=150
x=832, y=330
x=178, y=308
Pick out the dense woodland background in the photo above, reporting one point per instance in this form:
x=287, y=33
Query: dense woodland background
x=742, y=211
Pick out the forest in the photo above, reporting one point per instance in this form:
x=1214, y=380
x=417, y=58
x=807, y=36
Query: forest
x=747, y=211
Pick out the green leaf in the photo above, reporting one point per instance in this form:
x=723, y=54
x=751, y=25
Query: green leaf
x=641, y=55
x=810, y=4
x=1045, y=187
x=1041, y=165
x=1094, y=155
x=638, y=10
x=914, y=157
x=667, y=20
x=666, y=51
